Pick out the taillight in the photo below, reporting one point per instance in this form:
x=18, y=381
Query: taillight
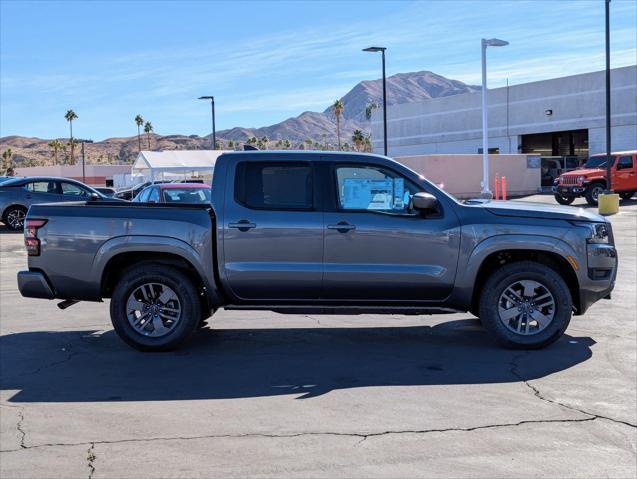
x=31, y=240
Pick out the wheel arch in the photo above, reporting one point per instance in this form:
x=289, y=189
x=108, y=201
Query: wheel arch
x=119, y=254
x=552, y=259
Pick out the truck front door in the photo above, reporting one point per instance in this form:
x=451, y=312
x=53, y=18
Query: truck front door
x=378, y=248
x=273, y=232
x=625, y=179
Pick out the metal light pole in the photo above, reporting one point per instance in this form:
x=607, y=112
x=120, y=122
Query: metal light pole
x=84, y=160
x=609, y=180
x=214, y=133
x=493, y=42
x=382, y=50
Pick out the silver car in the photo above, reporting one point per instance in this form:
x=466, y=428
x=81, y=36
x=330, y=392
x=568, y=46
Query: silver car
x=17, y=195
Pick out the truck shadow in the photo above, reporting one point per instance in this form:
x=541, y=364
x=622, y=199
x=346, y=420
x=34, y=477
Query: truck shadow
x=241, y=363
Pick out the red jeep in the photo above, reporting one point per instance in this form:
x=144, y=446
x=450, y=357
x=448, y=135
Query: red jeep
x=590, y=180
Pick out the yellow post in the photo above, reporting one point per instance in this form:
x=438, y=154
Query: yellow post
x=608, y=204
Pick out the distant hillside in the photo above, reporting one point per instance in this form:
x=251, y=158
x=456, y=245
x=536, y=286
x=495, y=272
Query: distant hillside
x=318, y=126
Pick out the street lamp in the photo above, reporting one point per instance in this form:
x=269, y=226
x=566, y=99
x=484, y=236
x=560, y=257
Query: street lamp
x=382, y=50
x=492, y=42
x=609, y=176
x=84, y=160
x=214, y=134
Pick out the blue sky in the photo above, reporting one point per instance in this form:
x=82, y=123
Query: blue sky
x=268, y=60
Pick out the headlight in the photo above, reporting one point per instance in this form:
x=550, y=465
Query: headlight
x=597, y=232
x=581, y=179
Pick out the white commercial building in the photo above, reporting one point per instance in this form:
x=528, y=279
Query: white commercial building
x=559, y=117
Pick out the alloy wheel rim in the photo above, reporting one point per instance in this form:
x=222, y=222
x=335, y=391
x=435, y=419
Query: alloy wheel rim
x=526, y=307
x=153, y=309
x=596, y=191
x=16, y=219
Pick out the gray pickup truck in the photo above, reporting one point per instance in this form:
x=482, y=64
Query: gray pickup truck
x=323, y=232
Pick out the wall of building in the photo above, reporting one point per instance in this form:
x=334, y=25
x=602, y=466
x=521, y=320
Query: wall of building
x=96, y=175
x=454, y=124
x=461, y=175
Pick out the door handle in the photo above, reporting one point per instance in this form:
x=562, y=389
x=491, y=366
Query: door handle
x=242, y=225
x=341, y=227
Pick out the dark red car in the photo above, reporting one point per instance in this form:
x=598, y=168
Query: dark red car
x=188, y=193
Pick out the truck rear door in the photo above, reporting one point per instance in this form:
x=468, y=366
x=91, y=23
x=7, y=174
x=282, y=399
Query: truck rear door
x=273, y=232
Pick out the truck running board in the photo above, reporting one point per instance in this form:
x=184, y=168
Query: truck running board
x=327, y=309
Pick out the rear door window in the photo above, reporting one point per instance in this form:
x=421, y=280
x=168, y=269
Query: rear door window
x=50, y=187
x=276, y=186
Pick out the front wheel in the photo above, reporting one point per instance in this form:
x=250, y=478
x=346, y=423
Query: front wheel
x=626, y=195
x=592, y=193
x=155, y=308
x=526, y=305
x=564, y=200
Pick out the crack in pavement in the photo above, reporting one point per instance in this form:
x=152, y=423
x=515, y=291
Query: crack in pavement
x=362, y=436
x=68, y=348
x=318, y=321
x=536, y=392
x=90, y=458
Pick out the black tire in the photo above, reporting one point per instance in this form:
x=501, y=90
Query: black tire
x=500, y=280
x=564, y=200
x=626, y=195
x=14, y=217
x=164, y=275
x=592, y=192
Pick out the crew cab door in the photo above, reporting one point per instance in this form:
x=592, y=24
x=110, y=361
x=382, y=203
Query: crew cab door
x=625, y=178
x=273, y=232
x=379, y=248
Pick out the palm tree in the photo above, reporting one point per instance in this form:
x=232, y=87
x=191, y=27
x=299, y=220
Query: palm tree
x=56, y=145
x=368, y=111
x=309, y=142
x=358, y=139
x=72, y=143
x=368, y=143
x=148, y=127
x=70, y=116
x=139, y=121
x=338, y=110
x=287, y=144
x=264, y=142
x=7, y=163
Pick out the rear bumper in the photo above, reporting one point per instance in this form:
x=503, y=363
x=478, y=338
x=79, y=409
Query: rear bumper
x=33, y=284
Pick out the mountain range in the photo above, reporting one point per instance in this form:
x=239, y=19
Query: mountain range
x=317, y=126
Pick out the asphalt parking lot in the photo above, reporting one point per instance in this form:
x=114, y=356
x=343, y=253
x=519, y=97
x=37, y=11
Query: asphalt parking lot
x=269, y=395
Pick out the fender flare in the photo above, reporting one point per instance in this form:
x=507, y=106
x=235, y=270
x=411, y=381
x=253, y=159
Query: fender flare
x=465, y=280
x=154, y=244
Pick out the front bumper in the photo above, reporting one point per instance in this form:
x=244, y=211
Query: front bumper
x=600, y=275
x=33, y=284
x=568, y=190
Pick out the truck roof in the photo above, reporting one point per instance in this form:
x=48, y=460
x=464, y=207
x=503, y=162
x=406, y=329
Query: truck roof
x=285, y=155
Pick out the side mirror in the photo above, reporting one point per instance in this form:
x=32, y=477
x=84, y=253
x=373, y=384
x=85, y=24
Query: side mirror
x=425, y=202
x=93, y=197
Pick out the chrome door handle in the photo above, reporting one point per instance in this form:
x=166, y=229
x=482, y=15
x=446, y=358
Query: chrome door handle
x=341, y=227
x=243, y=225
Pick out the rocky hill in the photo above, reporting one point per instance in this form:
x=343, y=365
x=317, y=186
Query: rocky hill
x=317, y=126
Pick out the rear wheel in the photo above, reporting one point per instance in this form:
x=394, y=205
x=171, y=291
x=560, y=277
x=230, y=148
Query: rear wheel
x=155, y=308
x=14, y=217
x=526, y=305
x=564, y=200
x=626, y=195
x=592, y=193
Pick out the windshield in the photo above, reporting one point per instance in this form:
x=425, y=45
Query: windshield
x=187, y=195
x=597, y=161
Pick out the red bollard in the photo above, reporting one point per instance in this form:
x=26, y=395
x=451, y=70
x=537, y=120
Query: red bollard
x=504, y=188
x=497, y=187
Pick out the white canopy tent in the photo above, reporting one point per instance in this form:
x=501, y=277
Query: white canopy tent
x=175, y=164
